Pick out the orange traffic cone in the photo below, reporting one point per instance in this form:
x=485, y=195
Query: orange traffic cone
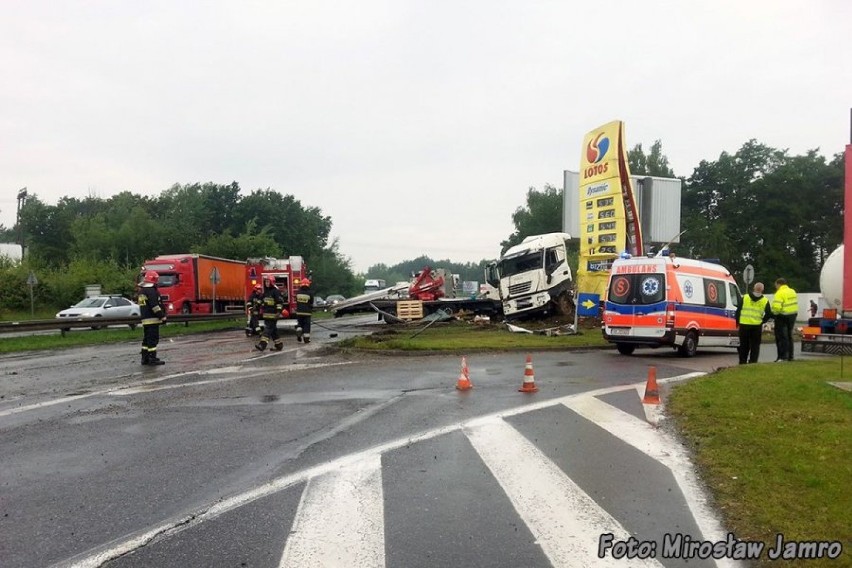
x=529, y=378
x=652, y=394
x=464, y=383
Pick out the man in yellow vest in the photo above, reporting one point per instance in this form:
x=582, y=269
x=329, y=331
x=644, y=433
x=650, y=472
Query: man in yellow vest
x=785, y=308
x=752, y=313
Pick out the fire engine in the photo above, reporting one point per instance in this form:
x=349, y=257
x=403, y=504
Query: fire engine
x=288, y=273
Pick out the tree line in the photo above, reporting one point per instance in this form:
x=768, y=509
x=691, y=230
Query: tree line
x=94, y=240
x=781, y=213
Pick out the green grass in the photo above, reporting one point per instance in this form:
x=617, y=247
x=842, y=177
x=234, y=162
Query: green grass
x=774, y=444
x=461, y=336
x=27, y=315
x=75, y=338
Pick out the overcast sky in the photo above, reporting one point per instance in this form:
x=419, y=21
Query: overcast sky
x=417, y=126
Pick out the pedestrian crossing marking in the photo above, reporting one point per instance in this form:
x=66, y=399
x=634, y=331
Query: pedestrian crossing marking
x=340, y=519
x=484, y=431
x=564, y=519
x=662, y=447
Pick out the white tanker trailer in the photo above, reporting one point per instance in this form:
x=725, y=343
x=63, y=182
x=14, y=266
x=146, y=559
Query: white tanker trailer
x=834, y=333
x=831, y=279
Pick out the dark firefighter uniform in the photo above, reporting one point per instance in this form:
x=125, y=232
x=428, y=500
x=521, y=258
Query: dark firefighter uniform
x=153, y=314
x=270, y=305
x=253, y=327
x=304, y=309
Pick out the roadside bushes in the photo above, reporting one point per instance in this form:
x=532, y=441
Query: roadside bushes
x=14, y=292
x=59, y=288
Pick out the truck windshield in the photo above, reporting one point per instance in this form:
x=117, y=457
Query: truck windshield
x=524, y=263
x=637, y=289
x=167, y=280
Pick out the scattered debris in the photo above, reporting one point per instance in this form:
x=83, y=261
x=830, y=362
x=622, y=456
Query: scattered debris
x=549, y=331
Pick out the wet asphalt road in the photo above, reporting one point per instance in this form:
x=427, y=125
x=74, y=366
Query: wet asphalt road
x=229, y=457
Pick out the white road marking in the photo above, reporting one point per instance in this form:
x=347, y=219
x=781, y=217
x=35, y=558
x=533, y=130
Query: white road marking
x=139, y=387
x=653, y=412
x=565, y=521
x=340, y=520
x=283, y=368
x=663, y=448
x=97, y=557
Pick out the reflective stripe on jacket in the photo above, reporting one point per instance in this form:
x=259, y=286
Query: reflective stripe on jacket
x=304, y=302
x=271, y=303
x=150, y=308
x=752, y=311
x=785, y=302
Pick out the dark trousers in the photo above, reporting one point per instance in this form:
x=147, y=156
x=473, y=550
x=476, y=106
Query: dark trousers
x=749, y=349
x=150, y=337
x=784, y=325
x=253, y=323
x=304, y=322
x=270, y=330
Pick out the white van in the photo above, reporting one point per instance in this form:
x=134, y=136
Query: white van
x=374, y=285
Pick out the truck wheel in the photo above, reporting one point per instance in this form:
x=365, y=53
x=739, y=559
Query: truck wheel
x=565, y=305
x=689, y=345
x=625, y=348
x=186, y=308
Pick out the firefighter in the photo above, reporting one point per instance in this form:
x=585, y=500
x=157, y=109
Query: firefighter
x=254, y=302
x=153, y=314
x=271, y=306
x=304, y=308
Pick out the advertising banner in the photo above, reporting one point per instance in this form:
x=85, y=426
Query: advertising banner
x=609, y=219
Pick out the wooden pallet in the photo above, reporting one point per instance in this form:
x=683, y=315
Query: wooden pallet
x=409, y=310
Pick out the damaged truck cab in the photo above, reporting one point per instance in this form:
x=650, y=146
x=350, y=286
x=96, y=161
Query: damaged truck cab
x=534, y=278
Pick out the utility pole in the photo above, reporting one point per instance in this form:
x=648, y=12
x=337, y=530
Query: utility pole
x=22, y=197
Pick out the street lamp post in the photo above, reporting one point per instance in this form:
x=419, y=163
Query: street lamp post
x=22, y=197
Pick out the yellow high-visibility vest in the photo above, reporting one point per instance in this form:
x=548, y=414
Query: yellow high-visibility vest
x=752, y=311
x=785, y=302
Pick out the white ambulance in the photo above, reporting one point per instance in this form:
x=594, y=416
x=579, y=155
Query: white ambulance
x=670, y=301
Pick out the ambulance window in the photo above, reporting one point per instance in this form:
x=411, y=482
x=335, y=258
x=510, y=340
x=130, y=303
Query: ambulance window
x=637, y=289
x=651, y=288
x=620, y=289
x=735, y=294
x=715, y=293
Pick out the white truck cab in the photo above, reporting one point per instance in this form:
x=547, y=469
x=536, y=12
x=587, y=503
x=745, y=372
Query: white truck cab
x=533, y=277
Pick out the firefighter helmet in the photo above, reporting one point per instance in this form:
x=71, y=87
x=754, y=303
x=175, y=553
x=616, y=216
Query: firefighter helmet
x=269, y=280
x=306, y=282
x=258, y=287
x=151, y=277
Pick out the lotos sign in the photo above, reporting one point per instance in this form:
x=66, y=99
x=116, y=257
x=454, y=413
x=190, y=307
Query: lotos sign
x=608, y=213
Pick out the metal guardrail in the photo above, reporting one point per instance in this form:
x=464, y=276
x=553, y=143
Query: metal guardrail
x=64, y=324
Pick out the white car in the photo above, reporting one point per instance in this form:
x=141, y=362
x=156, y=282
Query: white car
x=102, y=307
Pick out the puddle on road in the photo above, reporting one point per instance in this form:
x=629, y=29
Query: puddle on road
x=302, y=398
